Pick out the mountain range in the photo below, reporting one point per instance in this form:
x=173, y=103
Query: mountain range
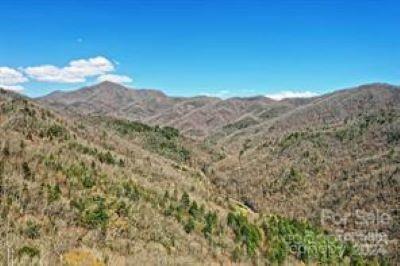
x=195, y=116
x=112, y=175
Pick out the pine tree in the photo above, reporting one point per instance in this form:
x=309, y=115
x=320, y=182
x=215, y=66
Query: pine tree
x=185, y=200
x=6, y=149
x=194, y=210
x=189, y=226
x=26, y=170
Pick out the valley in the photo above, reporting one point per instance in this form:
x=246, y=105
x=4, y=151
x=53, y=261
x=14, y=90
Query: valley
x=108, y=175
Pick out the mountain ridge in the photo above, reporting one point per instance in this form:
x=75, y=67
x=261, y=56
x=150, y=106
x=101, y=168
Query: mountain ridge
x=96, y=181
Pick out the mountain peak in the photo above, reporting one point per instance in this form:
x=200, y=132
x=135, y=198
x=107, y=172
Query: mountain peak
x=107, y=83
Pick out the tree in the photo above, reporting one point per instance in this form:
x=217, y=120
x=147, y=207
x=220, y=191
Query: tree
x=88, y=181
x=98, y=216
x=189, y=226
x=6, y=149
x=245, y=232
x=26, y=170
x=166, y=195
x=211, y=221
x=32, y=230
x=165, y=199
x=185, y=200
x=1, y=168
x=53, y=193
x=202, y=210
x=194, y=210
x=22, y=144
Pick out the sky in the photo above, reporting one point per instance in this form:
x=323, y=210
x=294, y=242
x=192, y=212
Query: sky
x=192, y=47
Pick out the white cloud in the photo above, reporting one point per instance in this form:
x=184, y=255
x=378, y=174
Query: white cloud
x=76, y=71
x=219, y=94
x=114, y=78
x=16, y=88
x=10, y=79
x=291, y=94
x=51, y=73
x=10, y=76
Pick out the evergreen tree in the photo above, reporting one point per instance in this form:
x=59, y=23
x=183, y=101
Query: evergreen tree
x=185, y=200
x=6, y=149
x=26, y=170
x=189, y=226
x=194, y=210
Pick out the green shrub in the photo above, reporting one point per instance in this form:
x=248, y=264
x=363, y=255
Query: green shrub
x=246, y=233
x=6, y=149
x=125, y=127
x=211, y=220
x=185, y=200
x=393, y=136
x=82, y=148
x=169, y=210
x=26, y=170
x=96, y=214
x=52, y=163
x=88, y=181
x=122, y=208
x=169, y=148
x=131, y=191
x=179, y=212
x=29, y=251
x=78, y=204
x=106, y=157
x=56, y=131
x=168, y=132
x=241, y=124
x=32, y=230
x=288, y=236
x=80, y=173
x=194, y=210
x=189, y=226
x=53, y=193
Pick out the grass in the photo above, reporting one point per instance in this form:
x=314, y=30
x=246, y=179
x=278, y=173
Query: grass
x=78, y=257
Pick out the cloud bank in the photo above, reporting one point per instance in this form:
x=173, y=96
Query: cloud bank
x=114, y=78
x=291, y=94
x=75, y=72
x=11, y=78
x=219, y=94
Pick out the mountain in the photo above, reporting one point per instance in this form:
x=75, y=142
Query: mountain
x=108, y=174
x=109, y=98
x=78, y=193
x=194, y=116
x=339, y=153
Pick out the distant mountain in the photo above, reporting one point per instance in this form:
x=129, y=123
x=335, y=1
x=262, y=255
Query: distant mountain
x=109, y=98
x=7, y=94
x=195, y=116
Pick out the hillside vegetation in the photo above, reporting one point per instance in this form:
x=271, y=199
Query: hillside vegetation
x=101, y=189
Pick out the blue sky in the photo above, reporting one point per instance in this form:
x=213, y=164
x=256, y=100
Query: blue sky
x=223, y=48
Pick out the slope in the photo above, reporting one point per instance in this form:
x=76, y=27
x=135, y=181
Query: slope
x=338, y=154
x=75, y=192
